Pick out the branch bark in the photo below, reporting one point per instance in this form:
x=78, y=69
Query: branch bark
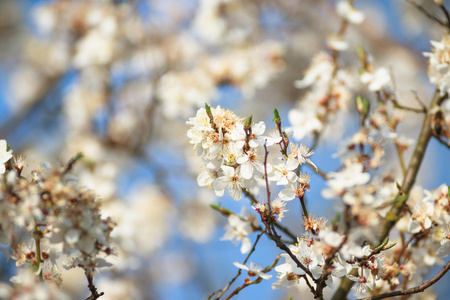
x=408, y=182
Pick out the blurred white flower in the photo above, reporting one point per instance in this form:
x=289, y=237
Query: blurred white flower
x=5, y=155
x=346, y=10
x=351, y=176
x=444, y=250
x=439, y=64
x=376, y=80
x=180, y=92
x=321, y=69
x=95, y=48
x=238, y=229
x=304, y=122
x=336, y=42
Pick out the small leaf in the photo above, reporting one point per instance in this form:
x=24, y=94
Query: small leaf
x=390, y=246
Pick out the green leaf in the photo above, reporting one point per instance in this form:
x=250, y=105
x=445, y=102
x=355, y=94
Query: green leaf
x=390, y=246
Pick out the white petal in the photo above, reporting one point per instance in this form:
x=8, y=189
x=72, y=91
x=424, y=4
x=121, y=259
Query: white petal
x=220, y=184
x=86, y=244
x=240, y=266
x=414, y=227
x=292, y=164
x=246, y=245
x=247, y=170
x=259, y=128
x=292, y=177
x=286, y=194
x=236, y=193
x=241, y=159
x=228, y=171
x=72, y=236
x=265, y=276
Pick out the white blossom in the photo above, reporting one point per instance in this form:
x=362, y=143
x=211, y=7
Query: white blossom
x=253, y=270
x=5, y=155
x=439, y=64
x=346, y=10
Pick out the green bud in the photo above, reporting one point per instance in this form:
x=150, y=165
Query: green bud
x=277, y=116
x=379, y=248
x=361, y=53
x=248, y=122
x=363, y=106
x=208, y=108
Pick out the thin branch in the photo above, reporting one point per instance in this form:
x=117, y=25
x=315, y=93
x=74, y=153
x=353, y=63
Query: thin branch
x=441, y=140
x=286, y=231
x=397, y=103
x=279, y=243
x=405, y=245
x=402, y=107
x=321, y=283
x=277, y=225
x=408, y=182
x=265, y=177
x=426, y=13
x=320, y=173
x=240, y=270
x=447, y=15
x=416, y=96
x=94, y=294
x=72, y=162
x=414, y=290
x=256, y=281
x=250, y=196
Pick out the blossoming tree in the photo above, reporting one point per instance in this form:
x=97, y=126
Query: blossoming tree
x=325, y=106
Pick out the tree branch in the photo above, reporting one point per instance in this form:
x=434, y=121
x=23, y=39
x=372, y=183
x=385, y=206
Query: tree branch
x=427, y=14
x=408, y=182
x=414, y=290
x=240, y=270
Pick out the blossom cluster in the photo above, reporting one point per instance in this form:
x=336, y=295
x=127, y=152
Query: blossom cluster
x=59, y=217
x=127, y=74
x=234, y=152
x=234, y=155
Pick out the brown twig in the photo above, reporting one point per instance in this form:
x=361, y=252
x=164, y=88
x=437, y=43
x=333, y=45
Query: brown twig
x=72, y=162
x=276, y=238
x=441, y=140
x=414, y=290
x=239, y=272
x=94, y=294
x=447, y=15
x=408, y=182
x=416, y=96
x=276, y=224
x=402, y=107
x=427, y=14
x=256, y=281
x=265, y=177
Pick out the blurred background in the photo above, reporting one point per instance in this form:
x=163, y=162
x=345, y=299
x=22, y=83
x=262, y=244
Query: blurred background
x=117, y=81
